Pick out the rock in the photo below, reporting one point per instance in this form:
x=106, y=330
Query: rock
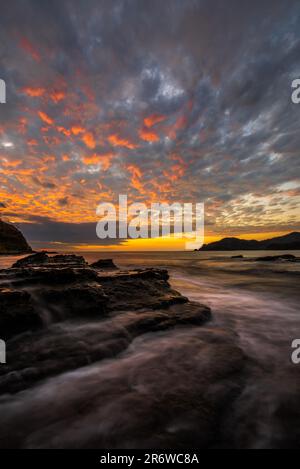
x=65, y=287
x=171, y=391
x=146, y=362
x=138, y=289
x=237, y=257
x=84, y=301
x=11, y=240
x=17, y=313
x=69, y=259
x=85, y=344
x=42, y=291
x=104, y=264
x=49, y=252
x=282, y=257
x=35, y=259
x=41, y=258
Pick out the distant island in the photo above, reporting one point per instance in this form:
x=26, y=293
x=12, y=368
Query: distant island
x=12, y=241
x=288, y=242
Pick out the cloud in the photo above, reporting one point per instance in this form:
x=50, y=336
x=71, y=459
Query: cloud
x=163, y=101
x=117, y=141
x=45, y=118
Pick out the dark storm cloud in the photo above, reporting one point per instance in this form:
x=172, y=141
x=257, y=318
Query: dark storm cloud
x=216, y=73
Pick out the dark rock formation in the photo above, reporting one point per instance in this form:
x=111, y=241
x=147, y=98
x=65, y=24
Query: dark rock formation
x=35, y=259
x=283, y=257
x=17, y=313
x=40, y=290
x=139, y=289
x=283, y=243
x=104, y=264
x=237, y=257
x=42, y=258
x=231, y=244
x=150, y=370
x=11, y=240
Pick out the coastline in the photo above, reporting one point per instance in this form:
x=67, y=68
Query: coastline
x=102, y=327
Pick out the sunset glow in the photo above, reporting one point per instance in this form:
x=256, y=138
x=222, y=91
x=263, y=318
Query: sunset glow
x=82, y=124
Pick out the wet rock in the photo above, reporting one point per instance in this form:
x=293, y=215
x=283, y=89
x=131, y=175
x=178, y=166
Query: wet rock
x=27, y=277
x=57, y=290
x=42, y=258
x=67, y=347
x=138, y=289
x=46, y=291
x=34, y=259
x=69, y=259
x=17, y=313
x=104, y=264
x=282, y=257
x=83, y=301
x=146, y=363
x=168, y=391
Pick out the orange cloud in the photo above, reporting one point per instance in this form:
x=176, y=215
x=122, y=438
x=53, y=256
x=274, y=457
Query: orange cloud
x=88, y=139
x=34, y=92
x=11, y=163
x=175, y=173
x=76, y=130
x=64, y=131
x=117, y=141
x=57, y=96
x=148, y=136
x=153, y=119
x=136, y=175
x=45, y=118
x=51, y=140
x=32, y=142
x=27, y=46
x=48, y=158
x=104, y=159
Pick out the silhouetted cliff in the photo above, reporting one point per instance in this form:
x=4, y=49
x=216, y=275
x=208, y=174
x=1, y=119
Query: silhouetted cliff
x=11, y=240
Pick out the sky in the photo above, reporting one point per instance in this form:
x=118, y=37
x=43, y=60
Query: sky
x=165, y=101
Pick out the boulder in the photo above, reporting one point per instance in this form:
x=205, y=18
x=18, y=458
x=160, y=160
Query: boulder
x=42, y=258
x=104, y=264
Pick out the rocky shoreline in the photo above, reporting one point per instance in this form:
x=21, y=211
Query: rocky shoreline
x=39, y=292
x=59, y=314
x=98, y=357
